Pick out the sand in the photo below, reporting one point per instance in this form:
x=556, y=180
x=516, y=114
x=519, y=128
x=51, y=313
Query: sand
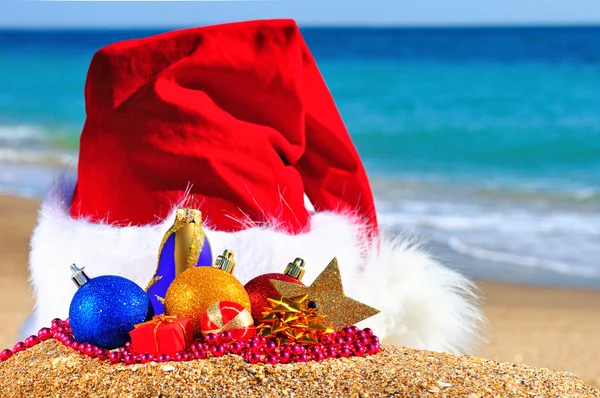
x=544, y=327
x=395, y=372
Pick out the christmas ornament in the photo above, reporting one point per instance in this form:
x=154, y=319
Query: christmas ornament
x=192, y=292
x=104, y=309
x=327, y=293
x=183, y=246
x=293, y=320
x=228, y=316
x=162, y=335
x=260, y=288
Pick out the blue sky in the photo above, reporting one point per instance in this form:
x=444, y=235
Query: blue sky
x=354, y=12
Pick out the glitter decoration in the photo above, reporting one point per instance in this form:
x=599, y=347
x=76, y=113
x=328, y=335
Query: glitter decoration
x=293, y=320
x=260, y=289
x=106, y=308
x=327, y=292
x=228, y=316
x=192, y=292
x=184, y=246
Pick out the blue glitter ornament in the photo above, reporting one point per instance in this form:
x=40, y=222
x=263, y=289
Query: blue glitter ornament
x=106, y=308
x=184, y=245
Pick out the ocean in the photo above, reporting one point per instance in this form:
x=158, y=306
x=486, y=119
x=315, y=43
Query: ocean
x=485, y=141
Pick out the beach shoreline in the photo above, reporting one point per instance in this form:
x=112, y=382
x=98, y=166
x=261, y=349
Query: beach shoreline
x=542, y=326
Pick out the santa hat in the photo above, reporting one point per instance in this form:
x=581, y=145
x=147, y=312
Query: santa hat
x=238, y=116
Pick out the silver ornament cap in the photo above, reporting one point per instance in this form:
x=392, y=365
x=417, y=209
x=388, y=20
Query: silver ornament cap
x=79, y=276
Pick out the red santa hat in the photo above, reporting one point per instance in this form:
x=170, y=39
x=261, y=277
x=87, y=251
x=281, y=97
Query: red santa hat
x=238, y=116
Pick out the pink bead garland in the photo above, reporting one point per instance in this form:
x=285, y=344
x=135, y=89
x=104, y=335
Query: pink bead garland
x=350, y=341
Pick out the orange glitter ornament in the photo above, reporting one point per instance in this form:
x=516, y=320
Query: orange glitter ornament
x=194, y=290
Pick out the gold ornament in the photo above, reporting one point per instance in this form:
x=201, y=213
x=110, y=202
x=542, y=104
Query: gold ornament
x=192, y=292
x=327, y=292
x=293, y=320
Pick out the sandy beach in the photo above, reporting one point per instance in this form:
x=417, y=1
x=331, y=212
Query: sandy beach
x=539, y=326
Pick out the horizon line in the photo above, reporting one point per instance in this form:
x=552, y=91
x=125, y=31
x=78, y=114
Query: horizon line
x=373, y=25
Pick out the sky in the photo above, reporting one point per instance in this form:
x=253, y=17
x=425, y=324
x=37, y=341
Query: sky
x=85, y=13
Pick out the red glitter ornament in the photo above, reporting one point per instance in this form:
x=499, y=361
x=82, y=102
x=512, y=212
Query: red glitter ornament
x=260, y=288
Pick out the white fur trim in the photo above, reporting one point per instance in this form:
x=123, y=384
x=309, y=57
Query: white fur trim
x=423, y=304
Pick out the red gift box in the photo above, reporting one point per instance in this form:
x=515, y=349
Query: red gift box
x=162, y=335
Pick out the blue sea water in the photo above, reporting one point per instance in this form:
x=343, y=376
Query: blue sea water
x=486, y=140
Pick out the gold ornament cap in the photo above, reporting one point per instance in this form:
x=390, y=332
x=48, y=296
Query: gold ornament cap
x=225, y=261
x=295, y=269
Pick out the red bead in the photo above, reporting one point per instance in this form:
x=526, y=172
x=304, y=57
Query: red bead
x=375, y=340
x=164, y=358
x=344, y=352
x=301, y=358
x=338, y=341
x=372, y=349
x=130, y=359
x=252, y=345
x=326, y=339
x=262, y=341
x=211, y=338
x=5, y=354
x=83, y=347
x=331, y=353
x=353, y=330
x=196, y=346
x=45, y=334
x=200, y=354
x=56, y=323
x=128, y=345
x=319, y=356
x=20, y=346
x=114, y=357
x=32, y=341
x=348, y=339
x=102, y=354
x=297, y=349
x=363, y=340
x=91, y=351
x=270, y=347
x=67, y=341
x=368, y=332
x=237, y=347
x=67, y=323
x=217, y=350
x=146, y=357
x=284, y=357
x=226, y=335
x=253, y=358
x=271, y=360
x=181, y=357
x=358, y=350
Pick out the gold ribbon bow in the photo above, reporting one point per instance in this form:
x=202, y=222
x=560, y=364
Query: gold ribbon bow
x=159, y=320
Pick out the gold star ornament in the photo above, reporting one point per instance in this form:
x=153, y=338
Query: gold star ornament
x=327, y=293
